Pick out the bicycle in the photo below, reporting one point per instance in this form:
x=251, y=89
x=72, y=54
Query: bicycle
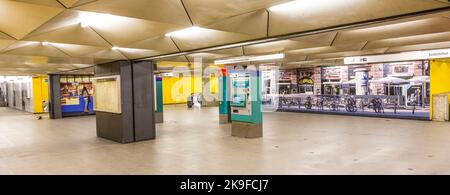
x=350, y=105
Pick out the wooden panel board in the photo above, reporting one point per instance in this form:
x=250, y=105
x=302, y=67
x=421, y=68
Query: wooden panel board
x=107, y=94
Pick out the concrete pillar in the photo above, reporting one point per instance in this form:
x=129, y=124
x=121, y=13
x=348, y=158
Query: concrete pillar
x=135, y=121
x=245, y=101
x=54, y=96
x=159, y=111
x=224, y=105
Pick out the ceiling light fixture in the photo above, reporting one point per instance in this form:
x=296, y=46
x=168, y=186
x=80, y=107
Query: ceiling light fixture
x=45, y=43
x=86, y=19
x=249, y=59
x=84, y=24
x=115, y=48
x=284, y=6
x=184, y=32
x=304, y=5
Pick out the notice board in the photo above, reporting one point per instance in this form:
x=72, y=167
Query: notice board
x=107, y=94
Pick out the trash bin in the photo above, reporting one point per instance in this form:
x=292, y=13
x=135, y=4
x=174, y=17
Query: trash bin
x=190, y=101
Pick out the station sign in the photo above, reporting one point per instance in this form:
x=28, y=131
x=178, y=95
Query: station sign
x=406, y=56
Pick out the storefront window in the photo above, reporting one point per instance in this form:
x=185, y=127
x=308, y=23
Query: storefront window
x=399, y=90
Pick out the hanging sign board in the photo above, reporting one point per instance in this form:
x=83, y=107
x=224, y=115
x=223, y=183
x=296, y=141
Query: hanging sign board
x=407, y=56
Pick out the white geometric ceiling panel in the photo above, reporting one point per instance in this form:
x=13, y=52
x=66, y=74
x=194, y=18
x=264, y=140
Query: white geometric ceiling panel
x=410, y=40
x=139, y=53
x=161, y=43
x=76, y=3
x=167, y=11
x=124, y=30
x=107, y=54
x=5, y=43
x=5, y=36
x=312, y=41
x=64, y=19
x=439, y=45
x=332, y=49
x=64, y=33
x=347, y=54
x=206, y=37
x=74, y=34
x=76, y=50
x=51, y=3
x=17, y=19
x=253, y=23
x=36, y=49
x=273, y=47
x=205, y=12
x=317, y=14
x=418, y=27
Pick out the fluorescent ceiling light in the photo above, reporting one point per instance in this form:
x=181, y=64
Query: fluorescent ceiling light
x=304, y=5
x=45, y=43
x=267, y=57
x=249, y=59
x=84, y=24
x=91, y=19
x=128, y=49
x=284, y=6
x=183, y=32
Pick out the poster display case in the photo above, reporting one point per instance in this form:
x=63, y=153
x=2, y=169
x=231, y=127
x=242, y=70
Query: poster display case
x=107, y=93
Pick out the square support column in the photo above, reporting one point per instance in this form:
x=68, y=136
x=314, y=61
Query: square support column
x=136, y=121
x=224, y=105
x=159, y=111
x=54, y=85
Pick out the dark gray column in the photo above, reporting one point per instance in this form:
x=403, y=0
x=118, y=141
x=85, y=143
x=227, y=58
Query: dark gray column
x=54, y=85
x=144, y=102
x=136, y=121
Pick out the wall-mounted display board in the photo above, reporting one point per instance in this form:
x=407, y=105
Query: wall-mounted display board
x=107, y=94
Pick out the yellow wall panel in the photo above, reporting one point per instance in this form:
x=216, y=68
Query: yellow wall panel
x=440, y=79
x=40, y=93
x=213, y=85
x=176, y=90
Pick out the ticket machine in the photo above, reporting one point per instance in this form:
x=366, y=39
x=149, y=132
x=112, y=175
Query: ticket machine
x=245, y=101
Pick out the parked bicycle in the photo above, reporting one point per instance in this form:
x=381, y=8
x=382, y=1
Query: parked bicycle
x=350, y=105
x=308, y=103
x=320, y=103
x=364, y=103
x=377, y=104
x=334, y=104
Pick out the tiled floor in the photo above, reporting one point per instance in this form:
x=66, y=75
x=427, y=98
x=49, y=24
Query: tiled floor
x=192, y=142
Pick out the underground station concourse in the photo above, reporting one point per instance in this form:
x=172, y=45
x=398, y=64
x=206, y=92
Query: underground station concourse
x=286, y=87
